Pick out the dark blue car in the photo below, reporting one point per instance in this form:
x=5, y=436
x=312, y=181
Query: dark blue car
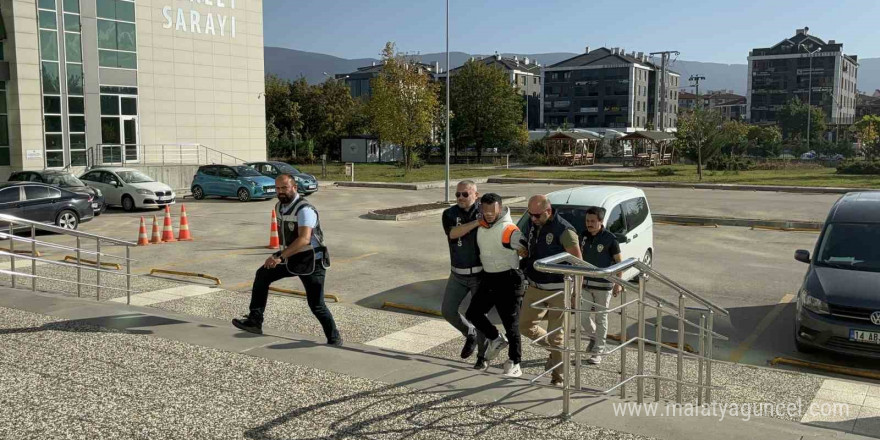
x=239, y=181
x=305, y=183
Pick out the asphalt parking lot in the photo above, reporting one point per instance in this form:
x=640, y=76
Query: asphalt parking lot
x=748, y=271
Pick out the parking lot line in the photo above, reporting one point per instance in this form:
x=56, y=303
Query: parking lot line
x=418, y=338
x=738, y=353
x=158, y=296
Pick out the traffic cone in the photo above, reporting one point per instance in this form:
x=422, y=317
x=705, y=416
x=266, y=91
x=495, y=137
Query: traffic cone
x=273, y=233
x=157, y=238
x=143, y=240
x=167, y=230
x=183, y=230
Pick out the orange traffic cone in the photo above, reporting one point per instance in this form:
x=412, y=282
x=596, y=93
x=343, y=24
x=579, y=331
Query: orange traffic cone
x=167, y=230
x=143, y=240
x=157, y=238
x=183, y=230
x=273, y=233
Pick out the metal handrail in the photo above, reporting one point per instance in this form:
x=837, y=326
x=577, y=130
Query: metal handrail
x=575, y=270
x=6, y=236
x=154, y=154
x=57, y=230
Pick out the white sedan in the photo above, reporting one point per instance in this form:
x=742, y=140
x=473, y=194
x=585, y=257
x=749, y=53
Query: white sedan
x=129, y=188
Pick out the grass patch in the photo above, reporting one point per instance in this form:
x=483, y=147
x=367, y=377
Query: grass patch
x=795, y=176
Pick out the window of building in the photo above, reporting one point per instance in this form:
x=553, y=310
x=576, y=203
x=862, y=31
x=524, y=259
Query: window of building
x=53, y=127
x=119, y=124
x=117, y=38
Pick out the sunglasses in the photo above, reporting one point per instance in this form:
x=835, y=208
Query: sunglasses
x=462, y=194
x=538, y=215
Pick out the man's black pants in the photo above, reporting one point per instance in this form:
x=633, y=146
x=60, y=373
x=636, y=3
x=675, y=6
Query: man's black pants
x=504, y=291
x=314, y=285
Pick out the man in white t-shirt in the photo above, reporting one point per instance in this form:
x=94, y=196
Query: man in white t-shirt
x=304, y=256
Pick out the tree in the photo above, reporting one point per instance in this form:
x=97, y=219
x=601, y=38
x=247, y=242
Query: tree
x=735, y=138
x=764, y=141
x=793, y=118
x=488, y=109
x=403, y=104
x=283, y=117
x=867, y=131
x=700, y=137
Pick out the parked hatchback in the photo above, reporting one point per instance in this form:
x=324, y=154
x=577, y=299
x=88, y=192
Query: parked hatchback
x=62, y=179
x=627, y=216
x=305, y=183
x=239, y=181
x=838, y=305
x=129, y=188
x=45, y=203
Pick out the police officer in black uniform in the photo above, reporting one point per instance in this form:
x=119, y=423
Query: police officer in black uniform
x=460, y=223
x=601, y=249
x=548, y=235
x=304, y=255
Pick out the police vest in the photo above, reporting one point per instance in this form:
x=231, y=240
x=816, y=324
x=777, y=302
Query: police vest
x=463, y=252
x=545, y=242
x=595, y=250
x=302, y=263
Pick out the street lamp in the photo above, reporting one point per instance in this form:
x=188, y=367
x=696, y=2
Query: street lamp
x=447, y=101
x=809, y=92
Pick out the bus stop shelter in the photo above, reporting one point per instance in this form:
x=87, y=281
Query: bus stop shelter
x=571, y=148
x=648, y=148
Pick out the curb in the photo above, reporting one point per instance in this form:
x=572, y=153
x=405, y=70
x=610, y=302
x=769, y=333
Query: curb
x=691, y=220
x=716, y=186
x=372, y=215
x=416, y=186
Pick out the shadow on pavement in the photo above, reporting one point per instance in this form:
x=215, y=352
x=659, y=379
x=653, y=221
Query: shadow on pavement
x=424, y=294
x=128, y=323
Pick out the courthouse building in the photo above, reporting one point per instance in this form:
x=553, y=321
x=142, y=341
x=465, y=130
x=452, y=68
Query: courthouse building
x=86, y=82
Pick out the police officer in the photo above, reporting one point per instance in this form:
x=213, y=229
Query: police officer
x=601, y=249
x=460, y=222
x=548, y=235
x=304, y=255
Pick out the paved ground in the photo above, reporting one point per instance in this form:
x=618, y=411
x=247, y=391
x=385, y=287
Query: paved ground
x=111, y=371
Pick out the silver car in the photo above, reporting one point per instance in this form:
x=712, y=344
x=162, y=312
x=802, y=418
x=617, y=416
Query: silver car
x=129, y=188
x=838, y=306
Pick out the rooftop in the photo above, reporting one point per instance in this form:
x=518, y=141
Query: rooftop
x=605, y=56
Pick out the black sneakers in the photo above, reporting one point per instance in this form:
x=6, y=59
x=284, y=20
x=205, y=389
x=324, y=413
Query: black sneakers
x=470, y=344
x=481, y=365
x=335, y=343
x=248, y=324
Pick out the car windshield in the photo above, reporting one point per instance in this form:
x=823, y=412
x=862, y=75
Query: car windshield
x=852, y=246
x=286, y=169
x=134, y=177
x=246, y=171
x=63, y=180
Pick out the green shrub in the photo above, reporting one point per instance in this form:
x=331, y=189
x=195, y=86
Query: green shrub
x=665, y=171
x=859, y=167
x=729, y=163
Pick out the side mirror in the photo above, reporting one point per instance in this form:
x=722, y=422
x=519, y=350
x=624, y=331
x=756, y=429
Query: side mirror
x=802, y=256
x=114, y=183
x=621, y=238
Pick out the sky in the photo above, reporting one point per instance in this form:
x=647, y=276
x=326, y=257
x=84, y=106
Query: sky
x=708, y=30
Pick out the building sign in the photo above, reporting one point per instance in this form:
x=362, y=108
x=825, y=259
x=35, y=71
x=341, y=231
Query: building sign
x=218, y=22
x=34, y=154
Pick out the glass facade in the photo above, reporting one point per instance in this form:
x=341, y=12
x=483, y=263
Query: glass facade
x=117, y=39
x=76, y=134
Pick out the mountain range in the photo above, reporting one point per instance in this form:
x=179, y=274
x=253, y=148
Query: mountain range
x=315, y=67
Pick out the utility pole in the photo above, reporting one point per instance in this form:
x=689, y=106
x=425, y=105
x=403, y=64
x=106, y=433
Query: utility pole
x=696, y=80
x=446, y=191
x=660, y=90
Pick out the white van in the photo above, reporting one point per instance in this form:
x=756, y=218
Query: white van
x=627, y=215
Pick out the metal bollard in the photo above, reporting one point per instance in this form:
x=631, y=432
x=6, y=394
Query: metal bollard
x=566, y=357
x=700, y=359
x=680, y=374
x=98, y=272
x=33, y=257
x=128, y=275
x=578, y=290
x=709, y=357
x=658, y=336
x=622, y=341
x=78, y=267
x=12, y=253
x=640, y=368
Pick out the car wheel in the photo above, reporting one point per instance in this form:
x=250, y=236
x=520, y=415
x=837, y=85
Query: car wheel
x=198, y=193
x=127, y=203
x=244, y=195
x=67, y=219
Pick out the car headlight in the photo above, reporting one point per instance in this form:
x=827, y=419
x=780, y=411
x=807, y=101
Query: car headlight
x=98, y=192
x=145, y=192
x=814, y=304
